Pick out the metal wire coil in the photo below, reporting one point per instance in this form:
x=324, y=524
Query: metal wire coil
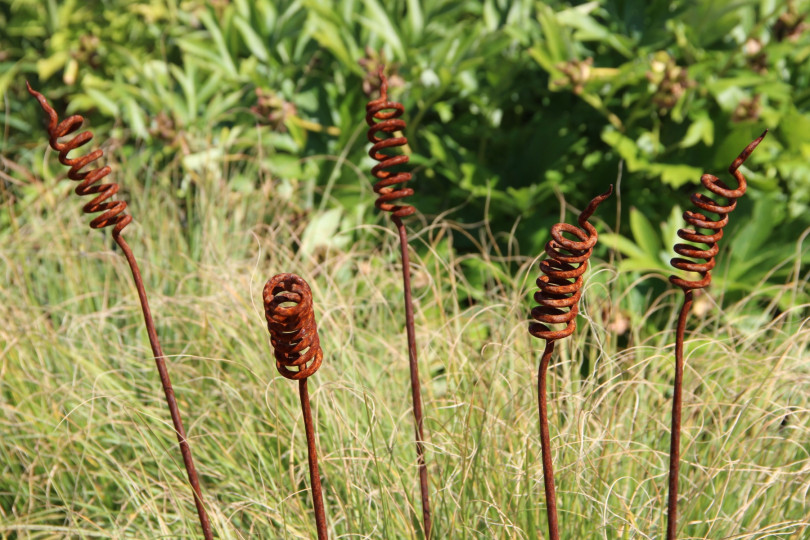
x=382, y=116
x=567, y=260
x=113, y=211
x=293, y=332
x=699, y=220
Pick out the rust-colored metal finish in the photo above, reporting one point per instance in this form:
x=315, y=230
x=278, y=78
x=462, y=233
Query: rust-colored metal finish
x=558, y=300
x=698, y=221
x=113, y=215
x=294, y=336
x=382, y=117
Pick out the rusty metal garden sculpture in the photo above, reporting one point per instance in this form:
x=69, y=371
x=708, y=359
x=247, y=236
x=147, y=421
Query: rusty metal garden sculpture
x=297, y=348
x=385, y=127
x=113, y=214
x=558, y=303
x=698, y=221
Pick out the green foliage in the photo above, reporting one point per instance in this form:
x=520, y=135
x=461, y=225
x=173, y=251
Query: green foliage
x=510, y=104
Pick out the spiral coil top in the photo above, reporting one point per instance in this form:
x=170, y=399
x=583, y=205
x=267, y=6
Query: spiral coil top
x=557, y=291
x=699, y=220
x=293, y=332
x=113, y=211
x=382, y=116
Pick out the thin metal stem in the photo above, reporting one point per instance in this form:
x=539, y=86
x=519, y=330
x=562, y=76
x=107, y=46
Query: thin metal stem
x=185, y=449
x=675, y=431
x=312, y=456
x=416, y=392
x=545, y=443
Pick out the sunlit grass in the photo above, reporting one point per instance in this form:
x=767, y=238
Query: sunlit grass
x=87, y=448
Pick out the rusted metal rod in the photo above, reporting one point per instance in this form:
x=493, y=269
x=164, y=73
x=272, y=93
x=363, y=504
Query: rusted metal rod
x=113, y=215
x=382, y=117
x=557, y=294
x=297, y=349
x=545, y=443
x=698, y=221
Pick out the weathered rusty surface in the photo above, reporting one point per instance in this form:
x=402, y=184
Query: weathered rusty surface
x=382, y=116
x=698, y=221
x=113, y=215
x=297, y=348
x=558, y=303
x=383, y=119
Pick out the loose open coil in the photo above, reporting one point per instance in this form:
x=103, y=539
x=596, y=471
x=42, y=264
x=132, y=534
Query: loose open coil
x=113, y=211
x=567, y=260
x=291, y=322
x=382, y=116
x=699, y=220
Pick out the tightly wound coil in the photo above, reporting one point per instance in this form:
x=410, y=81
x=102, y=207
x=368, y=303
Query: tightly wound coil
x=567, y=260
x=382, y=116
x=113, y=211
x=698, y=220
x=291, y=322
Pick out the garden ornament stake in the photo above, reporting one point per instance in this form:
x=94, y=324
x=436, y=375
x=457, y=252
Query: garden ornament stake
x=558, y=293
x=114, y=215
x=698, y=221
x=382, y=116
x=294, y=336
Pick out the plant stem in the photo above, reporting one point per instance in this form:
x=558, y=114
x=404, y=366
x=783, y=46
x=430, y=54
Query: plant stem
x=545, y=443
x=675, y=432
x=185, y=449
x=312, y=456
x=416, y=392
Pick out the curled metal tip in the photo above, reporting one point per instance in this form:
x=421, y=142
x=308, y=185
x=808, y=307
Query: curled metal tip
x=291, y=323
x=567, y=260
x=595, y=202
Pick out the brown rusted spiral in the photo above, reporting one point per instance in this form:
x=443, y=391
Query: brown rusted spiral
x=291, y=322
x=382, y=116
x=558, y=296
x=113, y=211
x=699, y=220
x=113, y=214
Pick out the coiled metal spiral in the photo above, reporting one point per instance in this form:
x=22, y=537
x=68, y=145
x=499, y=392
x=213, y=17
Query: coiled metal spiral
x=700, y=221
x=382, y=116
x=113, y=211
x=558, y=297
x=293, y=332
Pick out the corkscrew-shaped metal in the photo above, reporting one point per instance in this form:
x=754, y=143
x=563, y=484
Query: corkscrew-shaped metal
x=293, y=332
x=297, y=348
x=382, y=116
x=557, y=292
x=113, y=210
x=113, y=215
x=558, y=300
x=699, y=221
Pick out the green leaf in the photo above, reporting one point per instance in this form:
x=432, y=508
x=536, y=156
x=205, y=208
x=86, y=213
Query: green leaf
x=380, y=24
x=415, y=18
x=253, y=41
x=135, y=118
x=320, y=231
x=622, y=244
x=701, y=129
x=48, y=66
x=644, y=234
x=216, y=34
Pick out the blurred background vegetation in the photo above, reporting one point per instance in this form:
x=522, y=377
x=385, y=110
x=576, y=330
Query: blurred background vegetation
x=511, y=106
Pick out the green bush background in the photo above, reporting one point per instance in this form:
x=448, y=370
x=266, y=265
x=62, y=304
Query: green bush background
x=510, y=104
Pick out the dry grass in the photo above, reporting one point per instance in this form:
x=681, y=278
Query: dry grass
x=87, y=449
